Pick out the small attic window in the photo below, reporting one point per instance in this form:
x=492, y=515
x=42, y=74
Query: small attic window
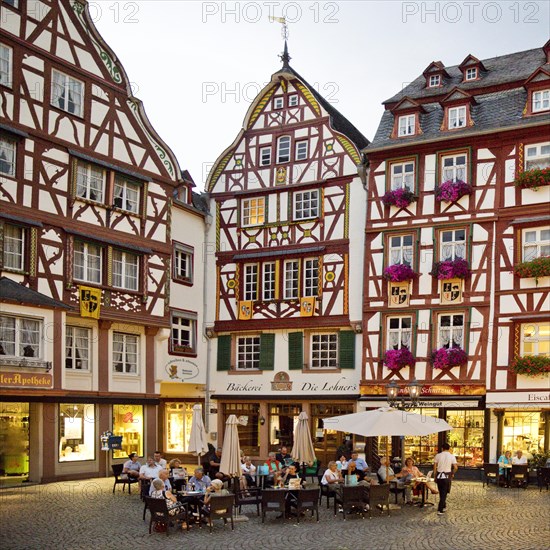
x=541, y=101
x=457, y=117
x=434, y=81
x=278, y=103
x=293, y=100
x=470, y=74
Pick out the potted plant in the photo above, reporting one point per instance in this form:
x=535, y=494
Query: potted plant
x=533, y=179
x=399, y=197
x=531, y=365
x=395, y=359
x=445, y=358
x=451, y=191
x=451, y=269
x=539, y=267
x=399, y=272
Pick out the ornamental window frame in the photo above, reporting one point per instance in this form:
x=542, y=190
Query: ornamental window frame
x=434, y=81
x=293, y=100
x=85, y=265
x=406, y=125
x=183, y=332
x=291, y=279
x=6, y=65
x=455, y=170
x=542, y=98
x=405, y=178
x=470, y=74
x=457, y=117
x=250, y=282
x=269, y=281
x=301, y=150
x=306, y=204
x=125, y=270
x=8, y=156
x=126, y=194
x=248, y=349
x=531, y=337
x=283, y=149
x=88, y=175
x=128, y=360
x=456, y=329
x=20, y=252
x=252, y=211
x=399, y=250
x=278, y=102
x=78, y=356
x=265, y=155
x=24, y=345
x=310, y=285
x=63, y=86
x=397, y=331
x=327, y=358
x=455, y=244
x=537, y=155
x=539, y=245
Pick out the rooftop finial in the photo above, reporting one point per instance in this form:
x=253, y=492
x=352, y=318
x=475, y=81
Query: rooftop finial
x=285, y=57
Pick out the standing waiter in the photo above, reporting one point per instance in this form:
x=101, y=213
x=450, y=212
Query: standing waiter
x=445, y=467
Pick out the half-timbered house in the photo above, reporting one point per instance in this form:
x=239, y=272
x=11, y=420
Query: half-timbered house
x=86, y=195
x=286, y=267
x=448, y=219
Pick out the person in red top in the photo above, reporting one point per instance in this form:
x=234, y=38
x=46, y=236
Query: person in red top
x=274, y=469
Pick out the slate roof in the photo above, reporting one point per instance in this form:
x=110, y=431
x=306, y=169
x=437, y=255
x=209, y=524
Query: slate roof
x=200, y=201
x=500, y=70
x=14, y=292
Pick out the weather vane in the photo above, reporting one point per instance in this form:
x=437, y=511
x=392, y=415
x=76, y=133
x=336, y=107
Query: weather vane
x=285, y=57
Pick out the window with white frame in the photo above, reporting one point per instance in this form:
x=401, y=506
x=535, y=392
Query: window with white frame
x=90, y=181
x=291, y=280
x=453, y=244
x=278, y=103
x=283, y=149
x=401, y=249
x=301, y=150
x=14, y=247
x=248, y=353
x=7, y=156
x=6, y=67
x=399, y=332
x=406, y=125
x=269, y=281
x=20, y=337
x=435, y=80
x=87, y=262
x=324, y=351
x=306, y=205
x=402, y=175
x=250, y=282
x=265, y=156
x=253, y=211
x=293, y=100
x=457, y=117
x=67, y=93
x=471, y=74
x=183, y=263
x=311, y=277
x=451, y=330
x=126, y=195
x=125, y=353
x=541, y=101
x=536, y=243
x=453, y=168
x=535, y=339
x=77, y=348
x=183, y=333
x=125, y=270
x=537, y=156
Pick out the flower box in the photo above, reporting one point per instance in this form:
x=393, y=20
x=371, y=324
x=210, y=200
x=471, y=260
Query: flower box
x=451, y=191
x=533, y=179
x=395, y=359
x=399, y=272
x=446, y=358
x=539, y=267
x=399, y=197
x=451, y=269
x=531, y=365
x=182, y=349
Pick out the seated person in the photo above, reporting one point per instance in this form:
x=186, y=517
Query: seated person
x=504, y=470
x=215, y=489
x=172, y=503
x=249, y=472
x=149, y=470
x=163, y=476
x=214, y=461
x=282, y=456
x=291, y=473
x=520, y=459
x=159, y=460
x=132, y=467
x=386, y=473
x=342, y=464
x=332, y=477
x=360, y=464
x=199, y=481
x=410, y=471
x=273, y=469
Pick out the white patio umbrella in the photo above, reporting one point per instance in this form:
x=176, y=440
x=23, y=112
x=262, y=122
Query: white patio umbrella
x=230, y=463
x=198, y=444
x=302, y=450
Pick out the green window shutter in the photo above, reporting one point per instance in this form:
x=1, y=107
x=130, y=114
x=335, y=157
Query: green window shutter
x=295, y=351
x=346, y=349
x=267, y=352
x=224, y=352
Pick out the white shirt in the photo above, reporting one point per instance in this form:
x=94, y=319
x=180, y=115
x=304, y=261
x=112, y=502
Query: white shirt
x=150, y=472
x=445, y=461
x=382, y=472
x=161, y=462
x=519, y=461
x=248, y=469
x=329, y=474
x=342, y=464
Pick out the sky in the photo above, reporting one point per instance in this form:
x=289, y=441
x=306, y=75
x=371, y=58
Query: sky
x=197, y=66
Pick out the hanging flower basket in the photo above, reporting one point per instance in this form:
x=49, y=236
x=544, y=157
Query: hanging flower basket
x=451, y=269
x=451, y=191
x=533, y=179
x=399, y=272
x=445, y=358
x=399, y=197
x=539, y=267
x=531, y=365
x=395, y=359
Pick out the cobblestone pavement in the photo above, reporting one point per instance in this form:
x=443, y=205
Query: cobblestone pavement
x=85, y=514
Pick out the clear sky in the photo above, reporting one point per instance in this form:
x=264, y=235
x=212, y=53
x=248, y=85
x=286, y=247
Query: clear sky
x=197, y=65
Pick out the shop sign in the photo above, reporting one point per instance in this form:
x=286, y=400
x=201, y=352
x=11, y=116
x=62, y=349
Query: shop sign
x=450, y=404
x=182, y=370
x=429, y=390
x=532, y=397
x=25, y=379
x=281, y=382
x=250, y=386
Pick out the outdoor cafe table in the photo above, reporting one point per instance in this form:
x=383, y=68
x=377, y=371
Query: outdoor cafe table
x=194, y=499
x=422, y=484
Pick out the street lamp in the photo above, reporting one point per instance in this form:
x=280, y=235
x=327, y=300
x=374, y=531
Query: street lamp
x=402, y=403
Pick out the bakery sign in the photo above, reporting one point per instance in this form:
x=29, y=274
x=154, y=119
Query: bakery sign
x=25, y=380
x=281, y=382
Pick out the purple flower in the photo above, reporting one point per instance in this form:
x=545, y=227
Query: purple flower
x=451, y=269
x=395, y=359
x=451, y=191
x=399, y=197
x=444, y=358
x=398, y=273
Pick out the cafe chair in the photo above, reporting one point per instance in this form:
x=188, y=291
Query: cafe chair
x=379, y=495
x=221, y=508
x=122, y=479
x=519, y=476
x=312, y=471
x=490, y=474
x=543, y=478
x=160, y=515
x=251, y=495
x=325, y=492
x=394, y=488
x=307, y=499
x=351, y=498
x=273, y=500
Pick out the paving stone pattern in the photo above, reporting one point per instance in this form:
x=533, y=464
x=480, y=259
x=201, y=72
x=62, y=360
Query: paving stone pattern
x=85, y=515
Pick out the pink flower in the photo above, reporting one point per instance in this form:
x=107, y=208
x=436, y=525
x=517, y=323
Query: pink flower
x=451, y=191
x=395, y=359
x=399, y=272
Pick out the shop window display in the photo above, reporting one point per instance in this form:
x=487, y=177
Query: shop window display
x=128, y=422
x=422, y=449
x=466, y=438
x=282, y=421
x=523, y=430
x=14, y=439
x=76, y=432
x=248, y=415
x=178, y=418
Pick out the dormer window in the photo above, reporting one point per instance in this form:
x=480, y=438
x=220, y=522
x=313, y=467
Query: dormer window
x=457, y=117
x=435, y=80
x=406, y=125
x=541, y=101
x=470, y=74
